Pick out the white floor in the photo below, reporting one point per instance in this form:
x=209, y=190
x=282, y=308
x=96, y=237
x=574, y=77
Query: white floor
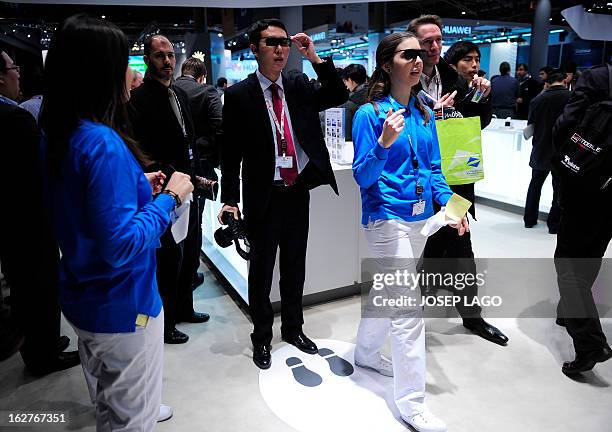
x=475, y=386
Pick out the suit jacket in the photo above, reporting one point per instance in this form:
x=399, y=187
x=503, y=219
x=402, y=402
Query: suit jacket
x=207, y=111
x=543, y=113
x=451, y=81
x=26, y=236
x=248, y=139
x=529, y=88
x=157, y=129
x=356, y=99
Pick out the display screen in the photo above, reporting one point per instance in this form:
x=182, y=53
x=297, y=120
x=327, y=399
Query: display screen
x=137, y=63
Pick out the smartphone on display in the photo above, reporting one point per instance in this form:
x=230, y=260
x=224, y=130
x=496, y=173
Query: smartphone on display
x=426, y=99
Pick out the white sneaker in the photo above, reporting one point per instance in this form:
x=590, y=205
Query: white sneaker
x=165, y=413
x=383, y=366
x=426, y=422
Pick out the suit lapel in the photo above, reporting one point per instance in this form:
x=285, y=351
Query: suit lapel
x=260, y=109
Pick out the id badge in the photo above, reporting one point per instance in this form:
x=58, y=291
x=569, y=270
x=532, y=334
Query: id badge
x=284, y=161
x=418, y=208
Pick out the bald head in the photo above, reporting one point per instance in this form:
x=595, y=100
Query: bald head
x=160, y=59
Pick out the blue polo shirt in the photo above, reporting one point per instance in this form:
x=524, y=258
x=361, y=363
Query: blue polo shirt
x=108, y=227
x=386, y=177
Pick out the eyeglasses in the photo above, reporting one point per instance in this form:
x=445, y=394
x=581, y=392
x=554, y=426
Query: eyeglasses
x=15, y=68
x=430, y=42
x=276, y=41
x=411, y=54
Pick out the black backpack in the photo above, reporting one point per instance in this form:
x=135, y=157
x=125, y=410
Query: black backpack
x=585, y=156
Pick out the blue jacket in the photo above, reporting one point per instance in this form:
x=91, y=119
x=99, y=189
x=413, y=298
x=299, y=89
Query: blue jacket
x=108, y=227
x=386, y=176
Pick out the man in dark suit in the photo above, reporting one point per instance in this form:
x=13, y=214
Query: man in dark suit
x=271, y=126
x=355, y=78
x=446, y=247
x=28, y=251
x=161, y=119
x=206, y=111
x=543, y=113
x=584, y=233
x=529, y=88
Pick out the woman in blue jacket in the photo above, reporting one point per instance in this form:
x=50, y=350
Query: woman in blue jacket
x=397, y=166
x=107, y=222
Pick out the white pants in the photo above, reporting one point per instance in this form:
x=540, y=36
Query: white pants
x=124, y=375
x=396, y=243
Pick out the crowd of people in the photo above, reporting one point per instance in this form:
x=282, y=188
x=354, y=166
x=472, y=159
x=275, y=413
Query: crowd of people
x=123, y=171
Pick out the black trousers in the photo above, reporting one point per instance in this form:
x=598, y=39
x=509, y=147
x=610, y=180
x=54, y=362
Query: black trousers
x=448, y=252
x=532, y=204
x=176, y=265
x=584, y=234
x=34, y=299
x=284, y=227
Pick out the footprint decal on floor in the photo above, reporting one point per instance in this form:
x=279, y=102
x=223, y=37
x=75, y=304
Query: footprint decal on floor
x=302, y=374
x=338, y=365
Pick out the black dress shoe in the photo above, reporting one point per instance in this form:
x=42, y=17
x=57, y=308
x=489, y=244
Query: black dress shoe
x=197, y=280
x=485, y=330
x=195, y=317
x=64, y=360
x=586, y=360
x=530, y=225
x=63, y=343
x=301, y=342
x=175, y=336
x=261, y=356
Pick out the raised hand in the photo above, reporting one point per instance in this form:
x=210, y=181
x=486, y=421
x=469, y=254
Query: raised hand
x=392, y=128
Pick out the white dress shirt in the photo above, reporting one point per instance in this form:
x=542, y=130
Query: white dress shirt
x=300, y=155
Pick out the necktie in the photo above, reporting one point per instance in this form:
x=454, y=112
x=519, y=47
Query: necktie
x=287, y=174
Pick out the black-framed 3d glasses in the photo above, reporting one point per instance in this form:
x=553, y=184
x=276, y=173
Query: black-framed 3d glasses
x=276, y=41
x=411, y=54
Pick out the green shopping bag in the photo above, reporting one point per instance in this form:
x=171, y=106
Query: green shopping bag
x=461, y=150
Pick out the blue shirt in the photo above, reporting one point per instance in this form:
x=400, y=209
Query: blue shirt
x=32, y=106
x=108, y=227
x=386, y=177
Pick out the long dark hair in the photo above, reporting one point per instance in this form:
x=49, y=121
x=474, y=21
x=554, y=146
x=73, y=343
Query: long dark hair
x=379, y=85
x=100, y=49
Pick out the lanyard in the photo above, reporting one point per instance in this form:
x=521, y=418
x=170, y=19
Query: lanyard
x=413, y=147
x=176, y=107
x=280, y=125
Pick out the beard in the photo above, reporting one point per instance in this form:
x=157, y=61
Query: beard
x=161, y=73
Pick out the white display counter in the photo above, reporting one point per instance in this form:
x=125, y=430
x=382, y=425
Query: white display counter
x=335, y=244
x=505, y=156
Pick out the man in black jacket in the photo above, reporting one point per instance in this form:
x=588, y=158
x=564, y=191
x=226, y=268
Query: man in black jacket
x=161, y=119
x=355, y=78
x=529, y=88
x=271, y=127
x=544, y=111
x=584, y=234
x=207, y=111
x=440, y=81
x=29, y=253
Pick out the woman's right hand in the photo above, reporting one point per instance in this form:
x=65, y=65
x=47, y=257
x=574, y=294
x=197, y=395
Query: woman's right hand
x=393, y=126
x=180, y=184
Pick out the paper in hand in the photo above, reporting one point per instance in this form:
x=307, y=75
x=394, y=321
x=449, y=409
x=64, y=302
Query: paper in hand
x=457, y=207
